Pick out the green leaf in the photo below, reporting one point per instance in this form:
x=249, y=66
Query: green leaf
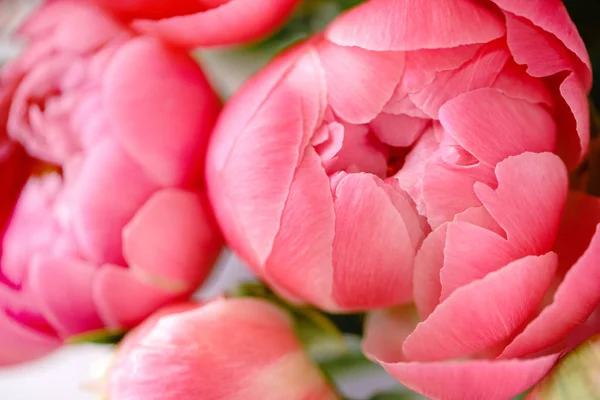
x=102, y=336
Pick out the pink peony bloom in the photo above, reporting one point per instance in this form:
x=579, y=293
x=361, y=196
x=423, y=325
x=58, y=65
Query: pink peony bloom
x=194, y=23
x=113, y=223
x=224, y=350
x=334, y=167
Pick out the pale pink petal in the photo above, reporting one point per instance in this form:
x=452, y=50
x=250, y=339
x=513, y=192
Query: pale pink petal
x=359, y=93
x=471, y=379
x=386, y=330
x=105, y=195
x=398, y=130
x=480, y=72
x=471, y=253
x=484, y=312
x=574, y=301
x=167, y=138
x=426, y=275
x=552, y=17
x=493, y=126
x=372, y=249
x=481, y=217
x=532, y=191
x=63, y=288
x=123, y=300
x=303, y=247
x=250, y=168
x=416, y=25
x=233, y=22
x=173, y=239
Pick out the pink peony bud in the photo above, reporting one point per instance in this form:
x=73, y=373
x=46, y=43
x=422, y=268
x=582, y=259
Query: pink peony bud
x=114, y=222
x=194, y=23
x=227, y=349
x=420, y=151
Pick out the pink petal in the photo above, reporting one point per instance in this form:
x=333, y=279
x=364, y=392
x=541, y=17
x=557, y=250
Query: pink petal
x=484, y=312
x=63, y=288
x=481, y=217
x=253, y=165
x=167, y=138
x=574, y=301
x=574, y=122
x=372, y=249
x=98, y=213
x=480, y=72
x=234, y=22
x=123, y=300
x=359, y=93
x=514, y=82
x=448, y=188
x=173, y=239
x=493, y=126
x=301, y=260
x=552, y=17
x=386, y=330
x=529, y=200
x=398, y=130
x=471, y=379
x=403, y=25
x=471, y=253
x=428, y=264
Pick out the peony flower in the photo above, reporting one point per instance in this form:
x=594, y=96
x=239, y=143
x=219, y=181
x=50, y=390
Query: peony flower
x=352, y=159
x=225, y=349
x=113, y=221
x=194, y=23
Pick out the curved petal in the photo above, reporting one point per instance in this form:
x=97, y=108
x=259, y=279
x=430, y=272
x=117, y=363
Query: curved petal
x=470, y=254
x=173, y=239
x=386, y=330
x=98, y=215
x=167, y=138
x=359, y=93
x=416, y=25
x=398, y=130
x=493, y=126
x=233, y=22
x=528, y=203
x=67, y=301
x=301, y=261
x=574, y=120
x=252, y=167
x=123, y=300
x=552, y=17
x=471, y=379
x=428, y=264
x=373, y=248
x=484, y=312
x=574, y=301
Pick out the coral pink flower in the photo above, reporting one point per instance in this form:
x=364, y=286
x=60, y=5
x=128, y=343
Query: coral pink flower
x=224, y=350
x=194, y=23
x=113, y=222
x=332, y=166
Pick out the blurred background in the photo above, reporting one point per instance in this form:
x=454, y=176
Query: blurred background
x=66, y=373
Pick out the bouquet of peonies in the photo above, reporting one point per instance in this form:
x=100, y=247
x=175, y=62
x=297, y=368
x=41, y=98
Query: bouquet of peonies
x=419, y=175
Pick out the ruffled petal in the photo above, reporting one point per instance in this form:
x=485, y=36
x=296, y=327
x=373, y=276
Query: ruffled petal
x=233, y=22
x=483, y=313
x=428, y=264
x=167, y=138
x=528, y=203
x=574, y=301
x=416, y=25
x=398, y=130
x=173, y=239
